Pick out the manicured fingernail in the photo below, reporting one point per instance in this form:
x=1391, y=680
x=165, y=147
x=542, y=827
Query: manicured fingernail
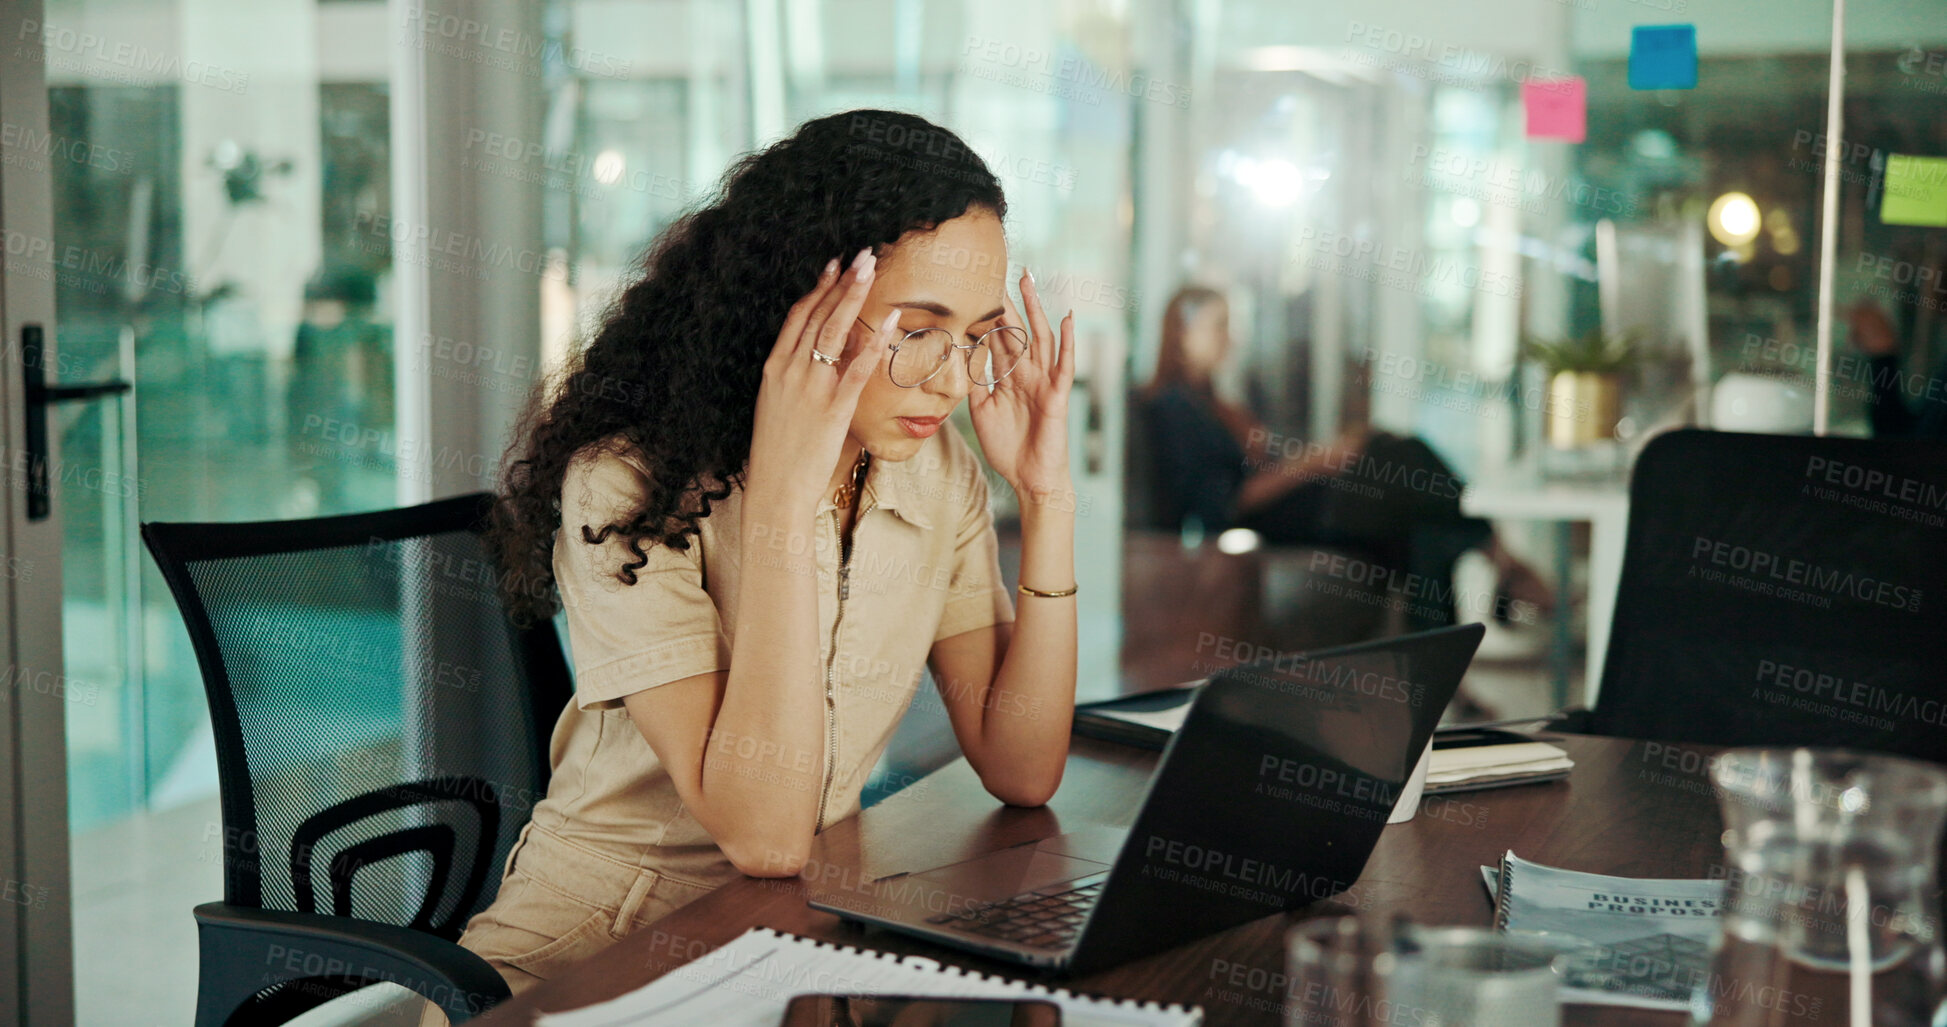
x=1029, y=274
x=830, y=266
x=891, y=319
x=858, y=262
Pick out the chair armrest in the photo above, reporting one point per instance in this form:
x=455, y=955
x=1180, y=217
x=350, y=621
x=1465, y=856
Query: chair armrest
x=1573, y=719
x=259, y=948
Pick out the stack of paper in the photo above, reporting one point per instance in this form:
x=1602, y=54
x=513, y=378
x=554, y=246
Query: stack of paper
x=1485, y=766
x=1650, y=951
x=1147, y=719
x=748, y=983
x=1163, y=720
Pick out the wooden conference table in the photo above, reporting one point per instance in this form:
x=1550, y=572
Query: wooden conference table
x=1631, y=808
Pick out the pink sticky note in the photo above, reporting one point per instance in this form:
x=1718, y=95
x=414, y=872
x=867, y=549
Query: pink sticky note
x=1557, y=108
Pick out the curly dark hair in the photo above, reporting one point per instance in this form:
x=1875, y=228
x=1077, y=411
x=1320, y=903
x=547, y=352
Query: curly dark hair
x=673, y=369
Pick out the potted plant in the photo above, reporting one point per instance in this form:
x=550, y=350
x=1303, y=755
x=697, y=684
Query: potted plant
x=1585, y=376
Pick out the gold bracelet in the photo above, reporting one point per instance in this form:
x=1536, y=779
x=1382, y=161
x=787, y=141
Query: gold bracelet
x=1026, y=591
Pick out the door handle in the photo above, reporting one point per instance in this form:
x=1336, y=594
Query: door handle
x=40, y=497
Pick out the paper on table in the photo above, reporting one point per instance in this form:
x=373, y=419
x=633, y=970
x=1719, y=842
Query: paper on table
x=1479, y=757
x=748, y=983
x=1646, y=954
x=1168, y=720
x=1508, y=772
x=1466, y=762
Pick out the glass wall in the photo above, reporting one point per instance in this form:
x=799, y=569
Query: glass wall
x=1390, y=226
x=1394, y=218
x=214, y=261
x=211, y=164
x=1399, y=201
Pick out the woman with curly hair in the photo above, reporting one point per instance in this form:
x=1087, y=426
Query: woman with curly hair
x=744, y=495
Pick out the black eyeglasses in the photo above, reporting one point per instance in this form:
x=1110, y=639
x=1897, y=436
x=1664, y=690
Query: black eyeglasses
x=924, y=351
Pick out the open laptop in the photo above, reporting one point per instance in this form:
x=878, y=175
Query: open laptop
x=1270, y=797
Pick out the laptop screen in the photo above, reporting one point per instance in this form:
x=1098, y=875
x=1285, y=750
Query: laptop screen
x=1274, y=791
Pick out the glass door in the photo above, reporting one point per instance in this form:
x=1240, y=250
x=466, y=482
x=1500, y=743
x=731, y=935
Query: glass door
x=215, y=181
x=35, y=969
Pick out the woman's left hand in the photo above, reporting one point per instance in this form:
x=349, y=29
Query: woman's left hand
x=1022, y=423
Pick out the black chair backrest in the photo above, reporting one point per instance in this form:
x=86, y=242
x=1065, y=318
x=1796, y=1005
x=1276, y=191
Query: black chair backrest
x=381, y=727
x=1783, y=590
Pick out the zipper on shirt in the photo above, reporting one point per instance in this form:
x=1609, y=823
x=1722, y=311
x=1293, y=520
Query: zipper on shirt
x=831, y=694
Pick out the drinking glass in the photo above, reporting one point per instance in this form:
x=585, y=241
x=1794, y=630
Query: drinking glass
x=1339, y=972
x=1361, y=972
x=1830, y=913
x=1474, y=976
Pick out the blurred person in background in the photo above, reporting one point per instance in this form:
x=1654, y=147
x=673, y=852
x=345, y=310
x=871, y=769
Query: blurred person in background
x=1387, y=496
x=1893, y=417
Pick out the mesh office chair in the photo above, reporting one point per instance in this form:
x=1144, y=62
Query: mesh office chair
x=381, y=735
x=1782, y=590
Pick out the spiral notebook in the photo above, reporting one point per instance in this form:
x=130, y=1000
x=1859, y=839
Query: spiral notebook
x=1647, y=941
x=748, y=982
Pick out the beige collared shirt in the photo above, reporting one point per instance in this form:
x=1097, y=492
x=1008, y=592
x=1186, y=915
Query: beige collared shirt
x=924, y=566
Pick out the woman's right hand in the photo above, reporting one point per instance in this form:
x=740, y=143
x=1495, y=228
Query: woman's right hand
x=805, y=406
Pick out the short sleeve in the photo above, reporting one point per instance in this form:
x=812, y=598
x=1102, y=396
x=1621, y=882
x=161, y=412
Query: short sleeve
x=977, y=597
x=626, y=638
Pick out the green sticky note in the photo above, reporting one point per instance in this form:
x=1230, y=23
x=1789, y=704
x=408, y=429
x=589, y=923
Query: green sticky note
x=1916, y=191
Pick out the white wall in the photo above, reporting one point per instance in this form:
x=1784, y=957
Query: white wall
x=1730, y=27
x=1517, y=27
x=270, y=247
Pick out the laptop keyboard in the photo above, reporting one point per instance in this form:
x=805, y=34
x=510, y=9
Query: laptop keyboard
x=1048, y=918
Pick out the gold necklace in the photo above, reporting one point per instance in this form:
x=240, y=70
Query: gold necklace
x=843, y=497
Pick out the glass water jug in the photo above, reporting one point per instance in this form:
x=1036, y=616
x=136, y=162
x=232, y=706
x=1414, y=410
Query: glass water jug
x=1831, y=904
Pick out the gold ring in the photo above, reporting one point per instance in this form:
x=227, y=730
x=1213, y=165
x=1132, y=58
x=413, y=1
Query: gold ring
x=823, y=359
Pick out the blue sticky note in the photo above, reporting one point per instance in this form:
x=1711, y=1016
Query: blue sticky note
x=1663, y=57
